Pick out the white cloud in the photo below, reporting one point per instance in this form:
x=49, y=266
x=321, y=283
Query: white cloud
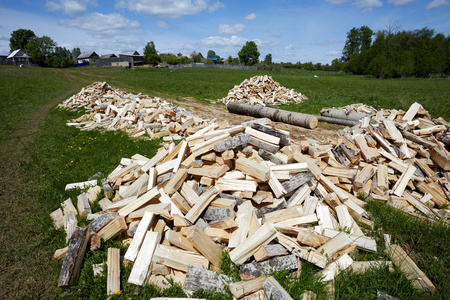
x=230, y=29
x=168, y=8
x=162, y=24
x=437, y=3
x=70, y=7
x=250, y=17
x=216, y=6
x=333, y=53
x=219, y=41
x=290, y=47
x=100, y=26
x=364, y=4
x=400, y=2
x=367, y=4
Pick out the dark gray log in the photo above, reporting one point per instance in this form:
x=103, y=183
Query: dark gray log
x=199, y=278
x=278, y=115
x=231, y=143
x=263, y=145
x=283, y=137
x=70, y=269
x=101, y=221
x=269, y=156
x=337, y=121
x=298, y=180
x=270, y=266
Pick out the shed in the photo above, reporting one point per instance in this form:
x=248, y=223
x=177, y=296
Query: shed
x=87, y=57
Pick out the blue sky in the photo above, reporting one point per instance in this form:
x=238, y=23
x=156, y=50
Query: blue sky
x=289, y=30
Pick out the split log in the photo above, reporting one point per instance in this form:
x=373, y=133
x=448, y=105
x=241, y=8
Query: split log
x=199, y=278
x=71, y=266
x=113, y=277
x=277, y=115
x=276, y=264
x=341, y=114
x=141, y=267
x=274, y=290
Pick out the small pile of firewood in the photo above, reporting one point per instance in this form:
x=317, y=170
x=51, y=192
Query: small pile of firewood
x=262, y=90
x=251, y=190
x=138, y=115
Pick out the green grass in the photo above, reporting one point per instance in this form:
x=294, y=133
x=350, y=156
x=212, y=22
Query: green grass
x=40, y=155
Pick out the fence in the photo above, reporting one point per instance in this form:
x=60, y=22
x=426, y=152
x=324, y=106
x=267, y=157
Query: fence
x=202, y=65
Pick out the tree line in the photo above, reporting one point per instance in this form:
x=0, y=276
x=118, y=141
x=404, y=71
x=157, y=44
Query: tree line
x=394, y=53
x=43, y=50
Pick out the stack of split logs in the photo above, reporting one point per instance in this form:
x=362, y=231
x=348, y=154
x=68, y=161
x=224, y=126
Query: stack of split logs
x=262, y=90
x=138, y=115
x=252, y=191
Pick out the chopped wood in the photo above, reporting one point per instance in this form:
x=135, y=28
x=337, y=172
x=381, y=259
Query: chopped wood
x=199, y=278
x=276, y=264
x=267, y=251
x=139, y=236
x=71, y=266
x=141, y=268
x=113, y=278
x=274, y=290
x=409, y=268
x=204, y=245
x=240, y=289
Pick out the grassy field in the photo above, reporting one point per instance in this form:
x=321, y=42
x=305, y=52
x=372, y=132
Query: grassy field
x=39, y=155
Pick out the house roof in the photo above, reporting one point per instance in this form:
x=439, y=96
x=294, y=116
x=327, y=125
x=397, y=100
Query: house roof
x=130, y=53
x=18, y=53
x=87, y=55
x=108, y=55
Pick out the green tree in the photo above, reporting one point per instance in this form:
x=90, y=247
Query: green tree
x=75, y=53
x=172, y=60
x=268, y=59
x=41, y=49
x=249, y=54
x=20, y=38
x=211, y=54
x=150, y=54
x=358, y=40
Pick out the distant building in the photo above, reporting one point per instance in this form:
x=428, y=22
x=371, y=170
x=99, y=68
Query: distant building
x=89, y=57
x=133, y=57
x=125, y=59
x=191, y=55
x=19, y=57
x=112, y=55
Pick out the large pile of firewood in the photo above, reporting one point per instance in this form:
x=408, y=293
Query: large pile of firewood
x=113, y=109
x=262, y=90
x=252, y=191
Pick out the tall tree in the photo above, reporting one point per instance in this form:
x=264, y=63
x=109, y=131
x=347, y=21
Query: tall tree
x=211, y=54
x=249, y=54
x=268, y=59
x=150, y=54
x=41, y=49
x=358, y=40
x=75, y=53
x=20, y=38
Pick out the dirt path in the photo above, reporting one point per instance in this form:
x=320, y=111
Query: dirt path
x=321, y=133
